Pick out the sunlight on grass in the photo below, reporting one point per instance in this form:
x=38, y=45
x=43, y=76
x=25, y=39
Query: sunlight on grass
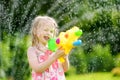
x=93, y=76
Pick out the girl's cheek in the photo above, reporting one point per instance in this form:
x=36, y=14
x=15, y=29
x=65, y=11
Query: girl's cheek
x=39, y=35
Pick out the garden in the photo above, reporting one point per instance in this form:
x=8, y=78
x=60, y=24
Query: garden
x=98, y=58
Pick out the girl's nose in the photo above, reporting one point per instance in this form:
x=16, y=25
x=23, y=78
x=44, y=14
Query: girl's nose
x=49, y=34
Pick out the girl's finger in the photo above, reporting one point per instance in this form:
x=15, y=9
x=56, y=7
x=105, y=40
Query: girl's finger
x=60, y=48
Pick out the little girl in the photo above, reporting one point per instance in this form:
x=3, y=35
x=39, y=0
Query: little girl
x=44, y=63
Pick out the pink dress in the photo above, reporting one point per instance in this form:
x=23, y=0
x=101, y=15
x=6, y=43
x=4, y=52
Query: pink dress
x=54, y=72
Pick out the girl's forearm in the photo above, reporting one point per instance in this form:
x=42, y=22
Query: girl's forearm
x=41, y=67
x=66, y=64
x=46, y=64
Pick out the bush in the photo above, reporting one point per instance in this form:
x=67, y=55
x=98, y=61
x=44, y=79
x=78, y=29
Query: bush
x=117, y=60
x=78, y=60
x=14, y=63
x=116, y=71
x=100, y=59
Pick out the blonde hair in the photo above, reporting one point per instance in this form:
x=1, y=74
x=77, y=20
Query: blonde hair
x=41, y=21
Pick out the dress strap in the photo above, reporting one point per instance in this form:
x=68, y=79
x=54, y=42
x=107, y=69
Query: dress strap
x=48, y=52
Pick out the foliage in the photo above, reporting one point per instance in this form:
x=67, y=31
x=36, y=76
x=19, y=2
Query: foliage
x=117, y=60
x=99, y=59
x=99, y=20
x=78, y=60
x=103, y=31
x=16, y=16
x=116, y=71
x=4, y=58
x=14, y=63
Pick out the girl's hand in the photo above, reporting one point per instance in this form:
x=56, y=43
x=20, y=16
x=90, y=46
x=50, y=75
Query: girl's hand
x=60, y=52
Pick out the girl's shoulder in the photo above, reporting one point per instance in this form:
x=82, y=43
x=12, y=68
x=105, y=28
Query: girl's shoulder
x=32, y=50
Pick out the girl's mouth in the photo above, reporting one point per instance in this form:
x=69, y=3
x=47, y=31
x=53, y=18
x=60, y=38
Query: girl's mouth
x=46, y=37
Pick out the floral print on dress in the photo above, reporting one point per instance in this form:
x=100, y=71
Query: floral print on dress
x=54, y=72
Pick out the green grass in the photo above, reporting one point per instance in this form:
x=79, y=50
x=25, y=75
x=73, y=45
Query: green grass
x=93, y=76
x=90, y=76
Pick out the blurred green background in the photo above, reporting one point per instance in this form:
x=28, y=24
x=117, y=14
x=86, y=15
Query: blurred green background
x=97, y=59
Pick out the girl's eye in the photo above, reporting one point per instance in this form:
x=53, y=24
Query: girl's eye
x=51, y=31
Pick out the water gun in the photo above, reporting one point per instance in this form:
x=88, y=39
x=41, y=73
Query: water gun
x=67, y=40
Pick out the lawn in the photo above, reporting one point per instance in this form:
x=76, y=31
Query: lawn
x=93, y=76
x=90, y=76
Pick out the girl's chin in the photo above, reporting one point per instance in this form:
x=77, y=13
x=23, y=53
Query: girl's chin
x=45, y=41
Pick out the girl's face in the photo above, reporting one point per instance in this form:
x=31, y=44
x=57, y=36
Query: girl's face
x=45, y=33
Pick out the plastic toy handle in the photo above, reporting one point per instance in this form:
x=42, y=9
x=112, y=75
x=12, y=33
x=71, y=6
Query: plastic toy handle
x=61, y=59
